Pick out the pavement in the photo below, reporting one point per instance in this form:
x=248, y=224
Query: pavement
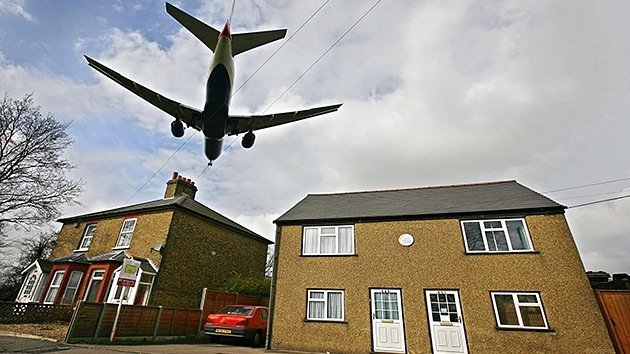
x=20, y=343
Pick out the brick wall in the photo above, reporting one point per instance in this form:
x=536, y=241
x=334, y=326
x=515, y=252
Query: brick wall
x=201, y=253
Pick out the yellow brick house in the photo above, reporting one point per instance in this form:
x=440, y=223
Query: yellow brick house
x=183, y=246
x=475, y=268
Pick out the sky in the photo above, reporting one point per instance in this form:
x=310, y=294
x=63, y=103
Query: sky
x=433, y=92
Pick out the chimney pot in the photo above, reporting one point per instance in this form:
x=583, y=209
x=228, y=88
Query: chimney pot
x=175, y=174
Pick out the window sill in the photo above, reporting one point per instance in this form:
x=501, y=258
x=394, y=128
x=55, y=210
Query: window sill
x=520, y=329
x=120, y=248
x=501, y=253
x=80, y=250
x=328, y=255
x=327, y=321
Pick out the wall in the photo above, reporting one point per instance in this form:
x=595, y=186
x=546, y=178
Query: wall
x=437, y=260
x=200, y=254
x=151, y=228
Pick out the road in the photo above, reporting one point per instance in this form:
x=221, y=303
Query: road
x=32, y=344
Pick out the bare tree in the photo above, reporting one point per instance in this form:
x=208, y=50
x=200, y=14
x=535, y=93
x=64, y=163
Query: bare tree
x=29, y=250
x=33, y=173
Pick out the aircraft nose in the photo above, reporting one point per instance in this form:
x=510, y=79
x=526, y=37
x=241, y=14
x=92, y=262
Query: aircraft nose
x=213, y=148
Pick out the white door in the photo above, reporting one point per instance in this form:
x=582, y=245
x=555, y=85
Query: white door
x=387, y=321
x=445, y=321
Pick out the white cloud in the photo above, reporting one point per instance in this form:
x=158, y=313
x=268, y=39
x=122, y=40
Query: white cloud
x=17, y=8
x=433, y=92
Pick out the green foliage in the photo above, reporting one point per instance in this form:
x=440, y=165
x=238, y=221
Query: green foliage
x=248, y=285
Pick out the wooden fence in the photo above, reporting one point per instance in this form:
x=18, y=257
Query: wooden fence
x=216, y=300
x=18, y=312
x=615, y=307
x=94, y=321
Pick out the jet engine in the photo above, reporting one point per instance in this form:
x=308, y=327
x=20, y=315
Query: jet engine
x=248, y=140
x=177, y=128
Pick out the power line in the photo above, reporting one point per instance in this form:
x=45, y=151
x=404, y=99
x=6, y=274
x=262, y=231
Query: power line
x=326, y=52
x=599, y=201
x=588, y=185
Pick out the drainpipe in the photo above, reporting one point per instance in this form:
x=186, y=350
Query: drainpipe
x=272, y=291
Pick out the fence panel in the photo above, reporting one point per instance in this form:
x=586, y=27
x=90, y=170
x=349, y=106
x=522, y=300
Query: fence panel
x=18, y=312
x=95, y=320
x=615, y=306
x=216, y=300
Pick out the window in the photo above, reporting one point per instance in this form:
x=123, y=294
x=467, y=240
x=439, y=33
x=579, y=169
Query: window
x=95, y=285
x=325, y=305
x=72, y=287
x=87, y=237
x=124, y=240
x=28, y=289
x=496, y=236
x=136, y=295
x=519, y=310
x=328, y=240
x=54, y=287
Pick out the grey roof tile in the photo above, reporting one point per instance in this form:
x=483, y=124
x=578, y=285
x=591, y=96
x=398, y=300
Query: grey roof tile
x=182, y=201
x=503, y=196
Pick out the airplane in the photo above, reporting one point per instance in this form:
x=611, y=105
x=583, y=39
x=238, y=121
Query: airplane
x=214, y=120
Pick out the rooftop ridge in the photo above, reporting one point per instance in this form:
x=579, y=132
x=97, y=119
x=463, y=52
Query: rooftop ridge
x=415, y=188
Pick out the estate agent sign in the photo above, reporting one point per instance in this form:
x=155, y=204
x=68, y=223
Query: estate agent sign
x=129, y=272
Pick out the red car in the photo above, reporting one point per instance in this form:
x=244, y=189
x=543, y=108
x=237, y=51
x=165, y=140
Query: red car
x=239, y=321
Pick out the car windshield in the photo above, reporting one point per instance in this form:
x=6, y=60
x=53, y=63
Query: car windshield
x=237, y=310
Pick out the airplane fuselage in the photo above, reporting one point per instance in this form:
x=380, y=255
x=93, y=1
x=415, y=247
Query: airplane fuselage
x=218, y=94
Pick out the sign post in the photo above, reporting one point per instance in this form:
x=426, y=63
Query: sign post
x=126, y=280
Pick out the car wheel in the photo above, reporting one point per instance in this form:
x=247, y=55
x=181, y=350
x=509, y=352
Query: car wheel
x=256, y=339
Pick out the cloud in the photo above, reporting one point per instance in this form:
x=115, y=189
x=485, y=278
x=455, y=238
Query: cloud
x=17, y=8
x=433, y=93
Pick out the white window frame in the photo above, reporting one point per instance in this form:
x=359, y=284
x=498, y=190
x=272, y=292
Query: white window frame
x=25, y=296
x=119, y=245
x=52, y=286
x=324, y=300
x=505, y=231
x=88, y=235
x=75, y=289
x=517, y=307
x=319, y=238
x=131, y=292
x=93, y=277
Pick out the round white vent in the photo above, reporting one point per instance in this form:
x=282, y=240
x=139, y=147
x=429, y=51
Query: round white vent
x=405, y=240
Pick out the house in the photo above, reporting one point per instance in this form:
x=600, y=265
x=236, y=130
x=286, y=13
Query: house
x=182, y=245
x=479, y=268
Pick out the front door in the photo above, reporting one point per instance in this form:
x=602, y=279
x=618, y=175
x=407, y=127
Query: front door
x=388, y=334
x=445, y=321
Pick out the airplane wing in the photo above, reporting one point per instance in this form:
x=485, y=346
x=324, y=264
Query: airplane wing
x=188, y=115
x=241, y=124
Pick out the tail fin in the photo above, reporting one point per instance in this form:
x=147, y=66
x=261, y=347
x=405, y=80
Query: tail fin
x=242, y=42
x=208, y=35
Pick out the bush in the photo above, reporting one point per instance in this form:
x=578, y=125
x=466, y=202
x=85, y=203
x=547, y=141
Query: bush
x=248, y=285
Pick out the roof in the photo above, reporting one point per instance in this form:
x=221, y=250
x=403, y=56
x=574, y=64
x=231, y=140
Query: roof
x=489, y=197
x=80, y=258
x=43, y=265
x=117, y=256
x=180, y=201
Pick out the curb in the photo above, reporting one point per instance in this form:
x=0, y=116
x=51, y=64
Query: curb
x=29, y=336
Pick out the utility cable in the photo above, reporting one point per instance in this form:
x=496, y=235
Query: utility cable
x=326, y=52
x=599, y=201
x=588, y=185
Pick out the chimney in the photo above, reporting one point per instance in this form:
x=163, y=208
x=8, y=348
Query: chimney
x=179, y=185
